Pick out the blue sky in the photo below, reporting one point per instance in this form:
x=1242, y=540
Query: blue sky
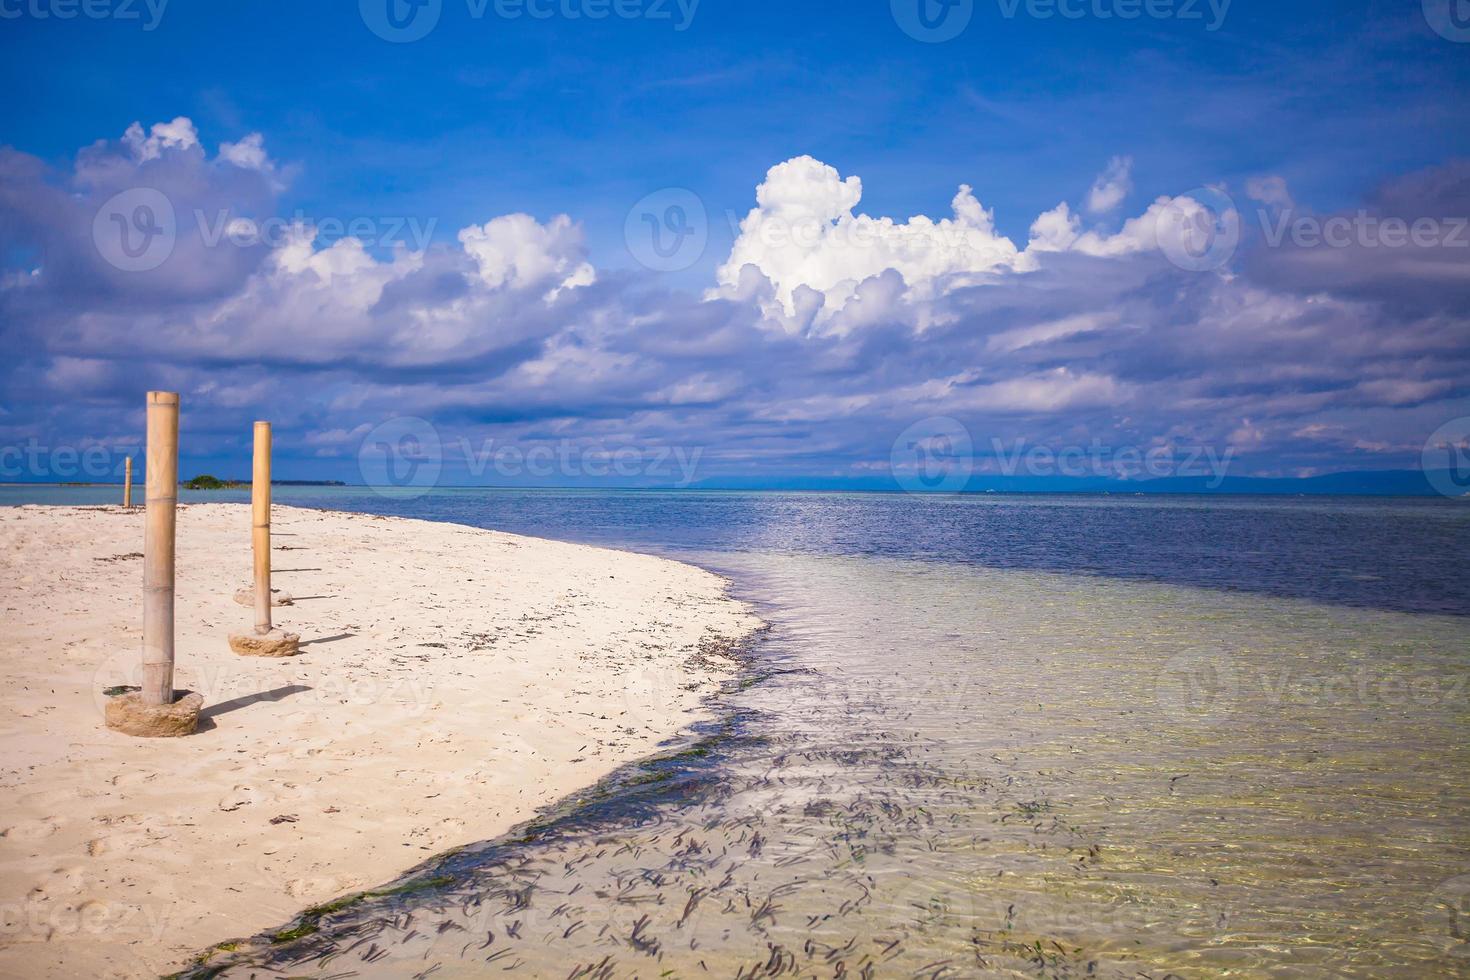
x=1346, y=106
x=487, y=116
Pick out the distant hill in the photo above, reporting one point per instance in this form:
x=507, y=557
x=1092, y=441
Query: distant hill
x=1377, y=483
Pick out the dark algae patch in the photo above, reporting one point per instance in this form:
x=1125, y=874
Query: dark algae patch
x=309, y=921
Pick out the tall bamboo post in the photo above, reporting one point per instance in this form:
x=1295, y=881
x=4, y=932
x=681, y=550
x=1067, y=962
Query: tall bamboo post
x=161, y=498
x=128, y=484
x=260, y=507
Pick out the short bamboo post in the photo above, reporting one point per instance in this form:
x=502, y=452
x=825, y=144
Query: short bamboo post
x=260, y=507
x=264, y=640
x=161, y=499
x=128, y=484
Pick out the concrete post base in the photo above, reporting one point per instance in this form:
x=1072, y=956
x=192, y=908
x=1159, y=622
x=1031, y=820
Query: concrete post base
x=246, y=597
x=276, y=643
x=128, y=714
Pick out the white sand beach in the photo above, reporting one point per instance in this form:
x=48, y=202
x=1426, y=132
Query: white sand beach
x=451, y=682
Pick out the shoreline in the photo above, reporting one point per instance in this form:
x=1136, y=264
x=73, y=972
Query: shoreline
x=642, y=782
x=453, y=682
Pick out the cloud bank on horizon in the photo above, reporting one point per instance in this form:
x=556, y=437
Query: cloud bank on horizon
x=153, y=263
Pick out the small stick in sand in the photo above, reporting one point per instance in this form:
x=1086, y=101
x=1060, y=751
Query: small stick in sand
x=128, y=484
x=265, y=641
x=152, y=711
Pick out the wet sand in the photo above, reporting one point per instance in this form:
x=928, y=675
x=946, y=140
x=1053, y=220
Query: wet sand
x=451, y=682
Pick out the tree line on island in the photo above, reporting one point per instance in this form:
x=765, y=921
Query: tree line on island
x=207, y=482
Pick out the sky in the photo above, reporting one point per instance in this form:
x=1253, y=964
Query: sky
x=886, y=244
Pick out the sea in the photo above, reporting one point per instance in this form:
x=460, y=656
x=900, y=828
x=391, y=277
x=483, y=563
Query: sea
x=984, y=736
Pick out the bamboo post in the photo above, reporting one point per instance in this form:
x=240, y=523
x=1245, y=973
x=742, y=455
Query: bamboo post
x=263, y=641
x=161, y=500
x=260, y=507
x=128, y=484
x=152, y=711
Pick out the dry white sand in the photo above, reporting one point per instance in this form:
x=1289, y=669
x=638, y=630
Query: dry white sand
x=451, y=682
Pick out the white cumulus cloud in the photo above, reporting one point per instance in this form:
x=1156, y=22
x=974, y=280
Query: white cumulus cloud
x=804, y=232
x=1111, y=186
x=515, y=250
x=830, y=267
x=178, y=134
x=248, y=153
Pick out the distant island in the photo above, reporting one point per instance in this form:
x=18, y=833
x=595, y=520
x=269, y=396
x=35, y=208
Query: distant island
x=207, y=482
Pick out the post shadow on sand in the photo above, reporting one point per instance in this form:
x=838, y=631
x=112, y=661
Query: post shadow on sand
x=246, y=700
x=327, y=639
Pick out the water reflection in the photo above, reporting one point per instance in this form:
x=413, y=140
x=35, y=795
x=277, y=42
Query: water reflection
x=1390, y=553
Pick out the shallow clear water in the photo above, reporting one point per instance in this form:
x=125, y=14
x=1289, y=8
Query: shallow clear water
x=969, y=772
x=955, y=766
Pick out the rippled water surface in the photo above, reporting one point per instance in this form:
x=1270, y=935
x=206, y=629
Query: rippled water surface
x=948, y=760
x=1395, y=553
x=967, y=772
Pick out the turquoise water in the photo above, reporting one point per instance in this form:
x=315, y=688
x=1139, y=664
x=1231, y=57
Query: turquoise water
x=997, y=737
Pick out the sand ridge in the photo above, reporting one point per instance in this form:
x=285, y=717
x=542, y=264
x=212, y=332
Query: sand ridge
x=452, y=681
